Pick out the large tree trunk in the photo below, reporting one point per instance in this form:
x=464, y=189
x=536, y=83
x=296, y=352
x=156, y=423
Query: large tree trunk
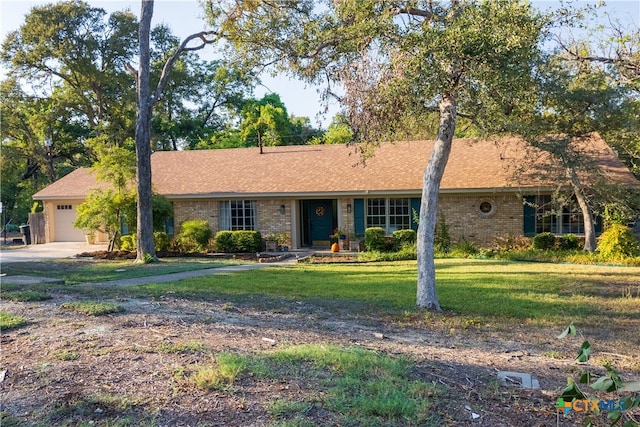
x=587, y=213
x=146, y=250
x=427, y=297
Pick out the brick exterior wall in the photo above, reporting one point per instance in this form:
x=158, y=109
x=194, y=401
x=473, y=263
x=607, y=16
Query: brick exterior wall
x=269, y=220
x=465, y=220
x=461, y=213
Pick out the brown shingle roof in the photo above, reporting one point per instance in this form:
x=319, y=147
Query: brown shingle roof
x=474, y=165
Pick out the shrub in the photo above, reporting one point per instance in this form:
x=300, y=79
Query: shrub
x=442, y=239
x=128, y=242
x=544, y=241
x=247, y=241
x=162, y=242
x=238, y=241
x=374, y=239
x=568, y=242
x=404, y=238
x=224, y=241
x=464, y=248
x=618, y=242
x=194, y=235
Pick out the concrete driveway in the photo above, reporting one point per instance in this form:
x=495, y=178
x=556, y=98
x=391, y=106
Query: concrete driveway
x=46, y=251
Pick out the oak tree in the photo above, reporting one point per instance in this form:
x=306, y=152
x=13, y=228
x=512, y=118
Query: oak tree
x=389, y=61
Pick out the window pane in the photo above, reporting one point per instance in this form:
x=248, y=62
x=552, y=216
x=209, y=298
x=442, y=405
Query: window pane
x=376, y=213
x=399, y=217
x=238, y=215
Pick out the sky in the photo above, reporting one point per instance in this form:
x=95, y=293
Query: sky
x=185, y=17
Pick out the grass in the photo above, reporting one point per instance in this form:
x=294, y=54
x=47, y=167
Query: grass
x=360, y=386
x=75, y=271
x=92, y=308
x=481, y=291
x=24, y=296
x=10, y=321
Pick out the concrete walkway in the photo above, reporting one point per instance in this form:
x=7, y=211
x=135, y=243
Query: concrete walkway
x=58, y=250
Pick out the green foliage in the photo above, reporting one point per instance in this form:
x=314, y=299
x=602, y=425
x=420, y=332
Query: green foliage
x=247, y=241
x=442, y=238
x=618, y=242
x=404, y=238
x=544, y=241
x=374, y=239
x=611, y=382
x=407, y=252
x=194, y=235
x=238, y=241
x=24, y=296
x=162, y=241
x=224, y=241
x=464, y=249
x=568, y=242
x=10, y=321
x=128, y=242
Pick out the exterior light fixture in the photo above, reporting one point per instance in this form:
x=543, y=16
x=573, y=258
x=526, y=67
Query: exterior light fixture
x=282, y=209
x=349, y=208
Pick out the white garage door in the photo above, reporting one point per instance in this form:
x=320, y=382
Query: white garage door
x=63, y=217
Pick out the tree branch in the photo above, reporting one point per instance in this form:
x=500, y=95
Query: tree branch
x=164, y=77
x=131, y=70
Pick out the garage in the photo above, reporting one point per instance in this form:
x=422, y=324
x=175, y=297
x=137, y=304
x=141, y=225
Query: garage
x=63, y=230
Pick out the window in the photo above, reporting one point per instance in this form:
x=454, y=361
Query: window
x=390, y=214
x=238, y=215
x=558, y=219
x=64, y=207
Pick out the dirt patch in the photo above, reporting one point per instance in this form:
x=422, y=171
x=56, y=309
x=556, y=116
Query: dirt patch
x=64, y=367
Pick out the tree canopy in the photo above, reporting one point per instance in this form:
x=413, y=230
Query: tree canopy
x=394, y=62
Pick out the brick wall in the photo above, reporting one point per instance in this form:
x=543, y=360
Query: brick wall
x=465, y=220
x=269, y=221
x=461, y=213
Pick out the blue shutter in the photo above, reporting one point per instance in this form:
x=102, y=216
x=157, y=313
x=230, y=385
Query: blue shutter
x=358, y=216
x=415, y=206
x=529, y=216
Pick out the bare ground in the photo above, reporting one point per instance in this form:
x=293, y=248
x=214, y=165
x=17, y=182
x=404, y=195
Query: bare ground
x=65, y=368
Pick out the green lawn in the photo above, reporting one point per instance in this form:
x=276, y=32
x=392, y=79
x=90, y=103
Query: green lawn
x=492, y=291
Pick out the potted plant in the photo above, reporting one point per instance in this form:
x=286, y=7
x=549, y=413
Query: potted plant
x=271, y=242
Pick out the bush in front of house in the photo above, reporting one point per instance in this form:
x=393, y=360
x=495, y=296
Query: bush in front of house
x=194, y=235
x=568, y=242
x=128, y=242
x=161, y=241
x=544, y=241
x=618, y=242
x=247, y=241
x=238, y=241
x=224, y=241
x=402, y=238
x=374, y=239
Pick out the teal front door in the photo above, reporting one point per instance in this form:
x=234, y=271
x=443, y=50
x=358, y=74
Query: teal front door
x=320, y=217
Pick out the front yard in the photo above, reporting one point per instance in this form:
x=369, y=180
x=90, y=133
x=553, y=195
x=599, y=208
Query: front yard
x=315, y=344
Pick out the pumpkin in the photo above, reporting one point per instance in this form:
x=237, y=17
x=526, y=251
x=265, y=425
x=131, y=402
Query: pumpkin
x=335, y=247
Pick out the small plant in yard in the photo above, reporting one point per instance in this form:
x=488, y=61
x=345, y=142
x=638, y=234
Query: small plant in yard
x=626, y=395
x=92, y=308
x=9, y=321
x=221, y=376
x=66, y=355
